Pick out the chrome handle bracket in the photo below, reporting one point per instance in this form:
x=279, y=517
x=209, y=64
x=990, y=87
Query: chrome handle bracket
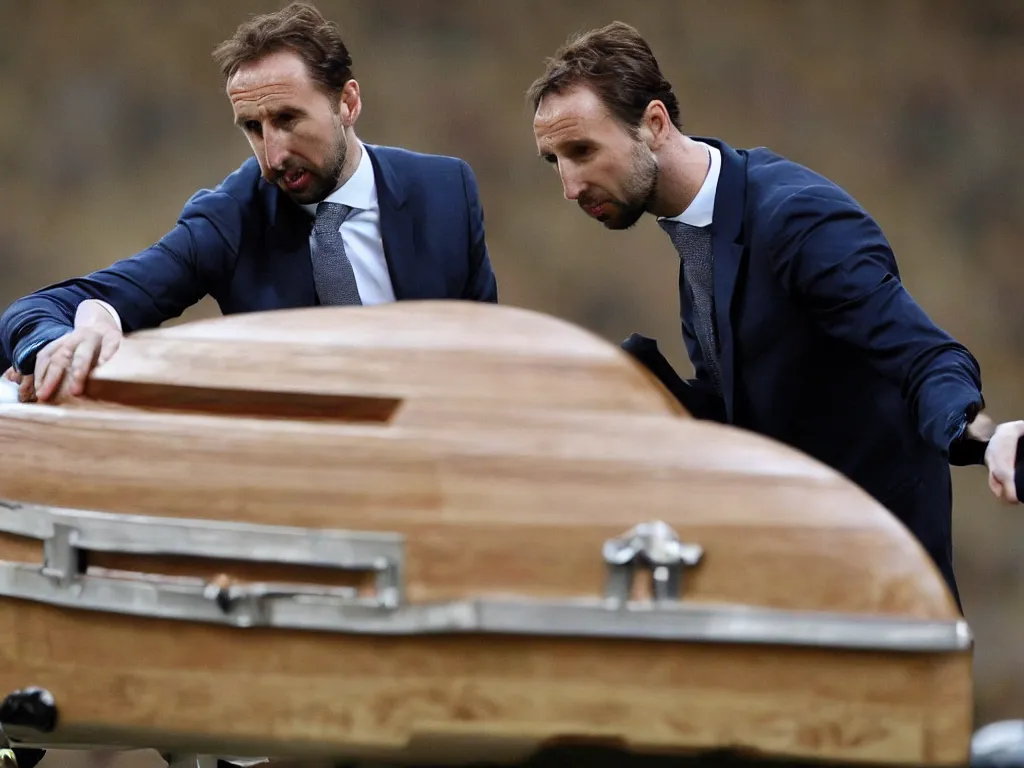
x=653, y=547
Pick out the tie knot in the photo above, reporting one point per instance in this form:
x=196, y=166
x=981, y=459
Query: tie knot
x=331, y=215
x=674, y=227
x=687, y=238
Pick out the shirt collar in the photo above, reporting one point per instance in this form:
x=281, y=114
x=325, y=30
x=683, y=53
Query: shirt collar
x=700, y=212
x=359, y=191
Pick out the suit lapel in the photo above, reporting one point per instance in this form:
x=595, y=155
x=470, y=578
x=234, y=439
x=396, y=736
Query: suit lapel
x=396, y=227
x=288, y=234
x=726, y=229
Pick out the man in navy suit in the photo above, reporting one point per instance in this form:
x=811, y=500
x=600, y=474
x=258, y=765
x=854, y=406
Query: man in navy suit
x=315, y=217
x=793, y=312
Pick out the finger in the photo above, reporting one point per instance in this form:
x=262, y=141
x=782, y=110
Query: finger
x=27, y=390
x=53, y=373
x=12, y=375
x=43, y=359
x=44, y=355
x=40, y=376
x=1008, y=485
x=82, y=362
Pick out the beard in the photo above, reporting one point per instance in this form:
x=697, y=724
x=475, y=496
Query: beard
x=323, y=179
x=639, y=190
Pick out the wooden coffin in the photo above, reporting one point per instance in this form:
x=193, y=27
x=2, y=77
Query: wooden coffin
x=450, y=532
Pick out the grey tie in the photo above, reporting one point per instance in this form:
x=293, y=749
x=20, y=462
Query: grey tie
x=693, y=244
x=332, y=271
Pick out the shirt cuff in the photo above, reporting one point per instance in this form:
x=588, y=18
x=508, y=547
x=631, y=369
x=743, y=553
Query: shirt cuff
x=964, y=450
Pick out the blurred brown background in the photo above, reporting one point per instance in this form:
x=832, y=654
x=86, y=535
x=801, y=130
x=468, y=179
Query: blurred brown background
x=113, y=115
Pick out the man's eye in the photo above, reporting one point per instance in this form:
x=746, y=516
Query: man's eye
x=253, y=127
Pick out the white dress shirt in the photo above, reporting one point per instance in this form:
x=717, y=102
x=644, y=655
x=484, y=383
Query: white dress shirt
x=360, y=232
x=701, y=210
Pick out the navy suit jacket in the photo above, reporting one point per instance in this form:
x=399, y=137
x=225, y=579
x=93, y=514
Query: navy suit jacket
x=246, y=244
x=823, y=348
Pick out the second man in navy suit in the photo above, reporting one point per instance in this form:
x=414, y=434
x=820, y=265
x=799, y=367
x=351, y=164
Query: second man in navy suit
x=793, y=312
x=315, y=217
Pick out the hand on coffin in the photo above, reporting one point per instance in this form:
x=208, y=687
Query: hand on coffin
x=63, y=365
x=1001, y=458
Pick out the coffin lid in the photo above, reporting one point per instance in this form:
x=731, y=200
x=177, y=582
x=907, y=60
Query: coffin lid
x=507, y=446
x=469, y=470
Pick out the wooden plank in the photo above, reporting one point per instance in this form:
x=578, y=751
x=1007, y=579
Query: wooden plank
x=256, y=692
x=336, y=360
x=488, y=510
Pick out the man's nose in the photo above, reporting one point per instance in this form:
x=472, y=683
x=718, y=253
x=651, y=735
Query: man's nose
x=275, y=149
x=571, y=187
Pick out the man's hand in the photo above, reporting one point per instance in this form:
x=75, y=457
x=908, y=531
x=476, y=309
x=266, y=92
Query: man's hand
x=63, y=365
x=1001, y=460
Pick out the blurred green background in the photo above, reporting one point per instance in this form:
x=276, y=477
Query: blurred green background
x=113, y=115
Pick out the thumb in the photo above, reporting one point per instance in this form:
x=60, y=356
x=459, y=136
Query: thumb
x=109, y=344
x=995, y=485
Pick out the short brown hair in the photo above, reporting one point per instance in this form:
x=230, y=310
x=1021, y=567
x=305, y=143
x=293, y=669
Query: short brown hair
x=618, y=64
x=299, y=28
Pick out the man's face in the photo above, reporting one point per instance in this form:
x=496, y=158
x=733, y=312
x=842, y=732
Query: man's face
x=611, y=174
x=296, y=131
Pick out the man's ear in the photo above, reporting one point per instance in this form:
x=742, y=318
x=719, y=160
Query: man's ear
x=655, y=126
x=350, y=103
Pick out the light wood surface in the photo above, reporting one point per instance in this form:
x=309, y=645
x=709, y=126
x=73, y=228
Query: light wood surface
x=545, y=443
x=490, y=507
x=356, y=362
x=240, y=692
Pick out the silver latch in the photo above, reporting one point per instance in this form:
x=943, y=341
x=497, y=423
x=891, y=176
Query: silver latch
x=70, y=536
x=249, y=604
x=653, y=546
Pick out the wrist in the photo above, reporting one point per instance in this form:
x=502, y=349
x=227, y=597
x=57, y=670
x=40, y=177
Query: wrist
x=981, y=427
x=970, y=436
x=98, y=316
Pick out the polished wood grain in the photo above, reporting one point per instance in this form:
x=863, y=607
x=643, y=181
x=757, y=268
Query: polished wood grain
x=261, y=692
x=336, y=359
x=498, y=490
x=494, y=507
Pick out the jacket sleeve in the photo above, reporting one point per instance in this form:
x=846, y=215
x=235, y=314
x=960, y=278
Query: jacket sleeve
x=146, y=289
x=694, y=395
x=833, y=258
x=481, y=284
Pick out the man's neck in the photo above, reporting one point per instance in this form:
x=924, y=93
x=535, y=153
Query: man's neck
x=682, y=168
x=355, y=154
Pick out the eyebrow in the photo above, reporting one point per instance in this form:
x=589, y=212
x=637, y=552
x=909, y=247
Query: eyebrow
x=241, y=120
x=564, y=144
